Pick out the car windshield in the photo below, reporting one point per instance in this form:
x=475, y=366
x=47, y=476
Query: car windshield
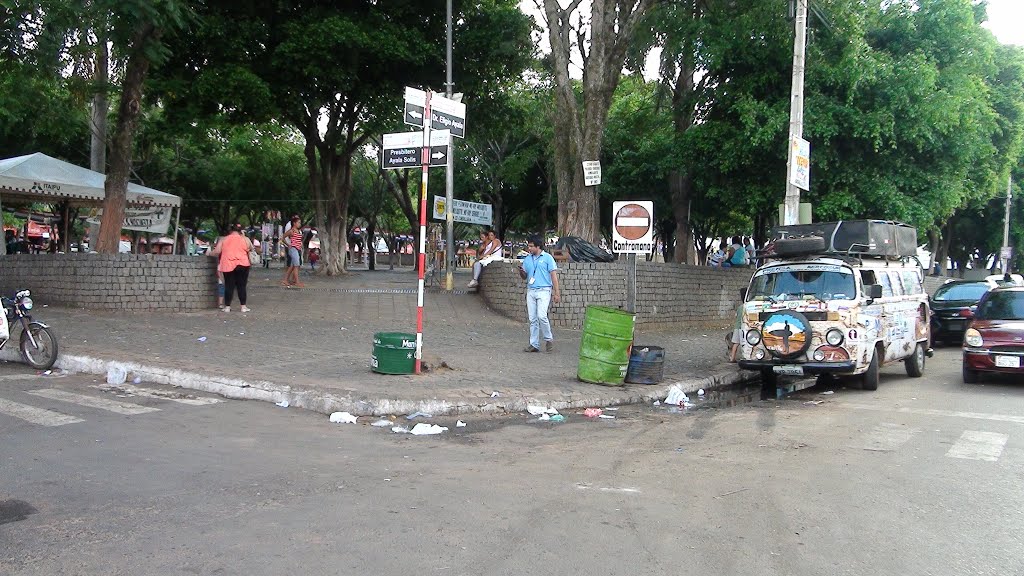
x=954, y=292
x=1002, y=306
x=794, y=283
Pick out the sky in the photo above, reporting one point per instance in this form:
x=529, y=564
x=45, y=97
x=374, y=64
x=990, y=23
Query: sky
x=1006, y=20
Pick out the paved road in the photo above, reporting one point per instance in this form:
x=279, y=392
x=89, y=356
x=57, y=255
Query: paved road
x=921, y=477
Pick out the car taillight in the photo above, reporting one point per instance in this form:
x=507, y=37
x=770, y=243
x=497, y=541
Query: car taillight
x=967, y=313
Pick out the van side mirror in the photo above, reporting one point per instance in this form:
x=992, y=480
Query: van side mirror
x=873, y=291
x=743, y=294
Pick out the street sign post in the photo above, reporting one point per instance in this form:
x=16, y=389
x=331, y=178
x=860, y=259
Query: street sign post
x=445, y=114
x=403, y=149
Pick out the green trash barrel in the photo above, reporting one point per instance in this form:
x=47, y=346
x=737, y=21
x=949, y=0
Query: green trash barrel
x=393, y=353
x=604, y=348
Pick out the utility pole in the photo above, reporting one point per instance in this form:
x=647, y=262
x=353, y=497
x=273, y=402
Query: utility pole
x=796, y=112
x=1006, y=228
x=449, y=173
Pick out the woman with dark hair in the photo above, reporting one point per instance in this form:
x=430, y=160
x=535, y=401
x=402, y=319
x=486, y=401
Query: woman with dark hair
x=233, y=252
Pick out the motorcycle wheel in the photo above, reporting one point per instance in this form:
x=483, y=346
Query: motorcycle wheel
x=44, y=353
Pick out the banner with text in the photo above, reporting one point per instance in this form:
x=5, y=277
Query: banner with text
x=462, y=211
x=152, y=220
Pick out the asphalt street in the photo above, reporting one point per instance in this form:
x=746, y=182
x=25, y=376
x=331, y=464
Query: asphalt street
x=921, y=477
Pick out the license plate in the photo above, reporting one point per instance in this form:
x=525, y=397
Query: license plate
x=789, y=370
x=1008, y=361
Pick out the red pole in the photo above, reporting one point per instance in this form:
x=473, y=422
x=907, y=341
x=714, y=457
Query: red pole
x=425, y=159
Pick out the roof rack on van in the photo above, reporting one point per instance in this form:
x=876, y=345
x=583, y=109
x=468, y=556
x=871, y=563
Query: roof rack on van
x=851, y=238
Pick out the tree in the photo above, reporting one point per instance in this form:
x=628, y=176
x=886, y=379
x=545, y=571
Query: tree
x=579, y=130
x=337, y=74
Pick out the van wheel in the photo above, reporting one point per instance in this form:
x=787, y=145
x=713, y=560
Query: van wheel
x=915, y=363
x=769, y=384
x=869, y=379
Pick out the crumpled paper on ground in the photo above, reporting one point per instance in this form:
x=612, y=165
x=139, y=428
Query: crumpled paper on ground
x=424, y=429
x=343, y=418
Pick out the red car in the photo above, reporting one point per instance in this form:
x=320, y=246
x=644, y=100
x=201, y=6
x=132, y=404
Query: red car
x=994, y=340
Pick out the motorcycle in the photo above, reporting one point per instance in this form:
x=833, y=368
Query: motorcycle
x=38, y=343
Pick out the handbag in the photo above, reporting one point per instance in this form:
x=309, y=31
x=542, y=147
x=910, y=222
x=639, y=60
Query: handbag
x=254, y=256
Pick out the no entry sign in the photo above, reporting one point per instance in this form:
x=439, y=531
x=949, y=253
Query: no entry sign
x=633, y=227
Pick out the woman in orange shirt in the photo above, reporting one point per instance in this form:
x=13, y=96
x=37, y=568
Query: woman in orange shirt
x=233, y=251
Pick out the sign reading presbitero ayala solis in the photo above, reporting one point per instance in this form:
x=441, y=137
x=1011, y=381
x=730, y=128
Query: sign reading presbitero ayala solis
x=633, y=227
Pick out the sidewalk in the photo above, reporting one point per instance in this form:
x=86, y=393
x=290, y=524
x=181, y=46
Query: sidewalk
x=312, y=348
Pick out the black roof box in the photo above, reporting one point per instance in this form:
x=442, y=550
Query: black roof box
x=857, y=237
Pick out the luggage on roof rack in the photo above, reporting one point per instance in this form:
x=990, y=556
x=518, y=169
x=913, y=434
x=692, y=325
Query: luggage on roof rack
x=857, y=237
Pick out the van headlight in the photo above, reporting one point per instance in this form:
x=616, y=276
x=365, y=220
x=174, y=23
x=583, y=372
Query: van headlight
x=753, y=337
x=759, y=354
x=834, y=337
x=818, y=355
x=973, y=338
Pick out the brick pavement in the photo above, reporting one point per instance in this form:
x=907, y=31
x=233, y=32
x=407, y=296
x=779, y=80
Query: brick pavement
x=312, y=347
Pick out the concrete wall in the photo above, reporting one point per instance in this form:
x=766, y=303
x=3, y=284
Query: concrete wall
x=667, y=294
x=132, y=282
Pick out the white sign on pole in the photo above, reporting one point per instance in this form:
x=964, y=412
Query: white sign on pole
x=633, y=227
x=462, y=211
x=591, y=172
x=152, y=220
x=1006, y=252
x=800, y=176
x=402, y=149
x=445, y=114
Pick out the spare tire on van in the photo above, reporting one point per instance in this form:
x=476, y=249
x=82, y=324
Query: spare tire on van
x=799, y=246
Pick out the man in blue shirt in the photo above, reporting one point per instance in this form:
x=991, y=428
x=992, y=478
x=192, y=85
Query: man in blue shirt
x=541, y=275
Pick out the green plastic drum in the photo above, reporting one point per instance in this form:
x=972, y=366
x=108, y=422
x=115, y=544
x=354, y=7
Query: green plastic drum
x=604, y=348
x=393, y=353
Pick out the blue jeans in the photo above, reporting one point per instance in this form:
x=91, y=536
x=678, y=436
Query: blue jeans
x=537, y=302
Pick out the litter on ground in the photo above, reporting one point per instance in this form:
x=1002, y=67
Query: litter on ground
x=284, y=404
x=416, y=415
x=424, y=429
x=343, y=418
x=382, y=423
x=538, y=410
x=592, y=412
x=460, y=424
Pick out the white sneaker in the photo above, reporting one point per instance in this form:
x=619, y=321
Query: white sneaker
x=472, y=284
x=226, y=309
x=246, y=309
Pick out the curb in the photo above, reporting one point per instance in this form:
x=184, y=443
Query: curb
x=325, y=402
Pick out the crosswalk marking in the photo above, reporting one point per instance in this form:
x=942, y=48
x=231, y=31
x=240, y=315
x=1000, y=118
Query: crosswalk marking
x=102, y=404
x=931, y=412
x=977, y=445
x=888, y=437
x=36, y=415
x=146, y=393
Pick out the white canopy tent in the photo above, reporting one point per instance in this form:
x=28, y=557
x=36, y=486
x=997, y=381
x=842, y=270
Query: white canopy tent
x=40, y=178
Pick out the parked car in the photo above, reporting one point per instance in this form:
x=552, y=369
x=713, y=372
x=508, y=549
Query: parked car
x=994, y=341
x=953, y=306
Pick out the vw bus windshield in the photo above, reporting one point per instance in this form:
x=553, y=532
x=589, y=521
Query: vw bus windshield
x=803, y=282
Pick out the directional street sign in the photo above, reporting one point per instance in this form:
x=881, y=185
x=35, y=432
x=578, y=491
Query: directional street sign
x=445, y=114
x=403, y=149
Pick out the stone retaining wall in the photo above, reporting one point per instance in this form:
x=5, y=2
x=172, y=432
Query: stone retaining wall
x=133, y=282
x=667, y=294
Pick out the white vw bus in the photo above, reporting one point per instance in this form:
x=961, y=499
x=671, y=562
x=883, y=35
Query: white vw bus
x=836, y=306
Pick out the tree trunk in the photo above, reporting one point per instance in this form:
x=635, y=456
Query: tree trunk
x=116, y=185
x=579, y=136
x=371, y=247
x=933, y=249
x=680, y=186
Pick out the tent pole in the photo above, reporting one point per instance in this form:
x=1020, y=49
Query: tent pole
x=3, y=245
x=177, y=221
x=67, y=227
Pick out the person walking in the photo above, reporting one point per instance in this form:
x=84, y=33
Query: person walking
x=293, y=244
x=233, y=253
x=541, y=275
